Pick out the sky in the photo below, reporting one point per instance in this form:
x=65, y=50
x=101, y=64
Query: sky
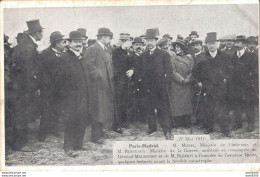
x=223, y=19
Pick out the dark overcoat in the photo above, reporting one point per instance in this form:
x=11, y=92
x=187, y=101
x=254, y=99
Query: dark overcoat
x=99, y=65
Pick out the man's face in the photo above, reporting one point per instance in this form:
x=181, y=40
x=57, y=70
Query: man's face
x=61, y=45
x=229, y=44
x=212, y=46
x=106, y=40
x=178, y=49
x=127, y=44
x=193, y=37
x=76, y=45
x=196, y=48
x=239, y=45
x=151, y=43
x=252, y=45
x=138, y=48
x=85, y=42
x=39, y=35
x=165, y=46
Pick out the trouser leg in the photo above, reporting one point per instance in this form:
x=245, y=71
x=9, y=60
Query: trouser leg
x=208, y=115
x=96, y=131
x=164, y=120
x=221, y=113
x=250, y=113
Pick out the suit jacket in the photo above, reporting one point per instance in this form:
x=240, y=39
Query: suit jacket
x=157, y=75
x=26, y=68
x=215, y=75
x=245, y=77
x=99, y=65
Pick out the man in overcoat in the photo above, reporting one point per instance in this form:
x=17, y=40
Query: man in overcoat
x=51, y=60
x=156, y=75
x=26, y=80
x=76, y=96
x=122, y=60
x=103, y=105
x=244, y=84
x=215, y=78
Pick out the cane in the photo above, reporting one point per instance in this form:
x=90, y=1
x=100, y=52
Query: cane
x=193, y=117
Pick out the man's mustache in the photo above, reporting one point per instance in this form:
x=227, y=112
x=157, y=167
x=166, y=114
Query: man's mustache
x=79, y=46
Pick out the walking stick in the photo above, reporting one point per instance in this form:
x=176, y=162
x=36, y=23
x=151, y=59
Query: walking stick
x=193, y=117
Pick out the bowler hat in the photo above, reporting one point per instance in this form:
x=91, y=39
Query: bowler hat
x=167, y=36
x=241, y=38
x=252, y=39
x=196, y=41
x=138, y=40
x=211, y=37
x=104, y=32
x=75, y=35
x=194, y=33
x=229, y=37
x=124, y=36
x=162, y=41
x=179, y=37
x=82, y=32
x=55, y=36
x=33, y=26
x=181, y=43
x=151, y=34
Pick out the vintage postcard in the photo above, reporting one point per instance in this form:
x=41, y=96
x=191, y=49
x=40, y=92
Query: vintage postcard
x=140, y=85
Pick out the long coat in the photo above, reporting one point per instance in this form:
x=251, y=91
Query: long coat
x=99, y=64
x=181, y=95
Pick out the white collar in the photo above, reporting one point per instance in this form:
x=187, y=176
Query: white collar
x=75, y=52
x=101, y=44
x=55, y=50
x=153, y=49
x=33, y=40
x=213, y=54
x=196, y=54
x=242, y=51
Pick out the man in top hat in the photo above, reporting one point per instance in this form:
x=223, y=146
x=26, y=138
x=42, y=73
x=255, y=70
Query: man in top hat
x=252, y=44
x=156, y=76
x=122, y=59
x=84, y=37
x=51, y=70
x=99, y=62
x=215, y=79
x=193, y=35
x=244, y=84
x=26, y=71
x=229, y=45
x=75, y=91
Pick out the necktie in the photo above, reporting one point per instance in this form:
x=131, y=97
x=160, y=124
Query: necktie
x=151, y=52
x=239, y=54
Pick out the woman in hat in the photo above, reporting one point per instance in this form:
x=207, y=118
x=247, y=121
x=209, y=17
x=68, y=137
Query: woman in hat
x=181, y=94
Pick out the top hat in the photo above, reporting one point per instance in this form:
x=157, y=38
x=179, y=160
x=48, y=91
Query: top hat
x=104, y=32
x=211, y=37
x=196, y=41
x=75, y=35
x=181, y=43
x=162, y=41
x=167, y=36
x=194, y=33
x=124, y=36
x=55, y=36
x=33, y=26
x=82, y=32
x=252, y=39
x=151, y=34
x=241, y=38
x=138, y=40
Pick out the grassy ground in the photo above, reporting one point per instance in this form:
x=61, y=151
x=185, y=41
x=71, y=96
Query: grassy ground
x=51, y=151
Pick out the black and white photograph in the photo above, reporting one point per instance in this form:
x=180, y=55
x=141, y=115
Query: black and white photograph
x=124, y=85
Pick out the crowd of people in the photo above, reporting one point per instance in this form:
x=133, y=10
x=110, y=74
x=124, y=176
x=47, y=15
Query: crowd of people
x=77, y=82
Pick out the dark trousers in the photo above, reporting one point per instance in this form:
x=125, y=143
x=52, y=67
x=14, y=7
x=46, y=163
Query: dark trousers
x=162, y=113
x=121, y=93
x=96, y=131
x=49, y=123
x=216, y=110
x=244, y=107
x=140, y=108
x=74, y=132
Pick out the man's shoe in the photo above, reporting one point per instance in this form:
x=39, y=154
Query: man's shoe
x=119, y=130
x=151, y=131
x=168, y=136
x=71, y=153
x=208, y=131
x=249, y=129
x=227, y=135
x=236, y=127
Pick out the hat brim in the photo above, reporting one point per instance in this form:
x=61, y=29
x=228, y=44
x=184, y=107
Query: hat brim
x=151, y=38
x=31, y=31
x=195, y=35
x=181, y=44
x=75, y=39
x=196, y=42
x=58, y=39
x=104, y=35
